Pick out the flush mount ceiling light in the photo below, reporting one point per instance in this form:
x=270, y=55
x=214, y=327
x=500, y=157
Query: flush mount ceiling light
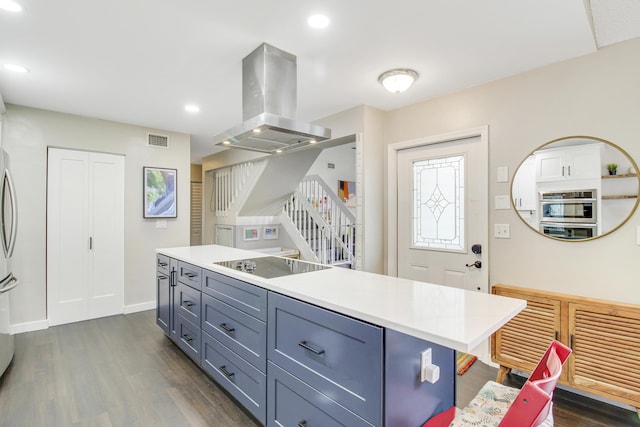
x=398, y=80
x=192, y=108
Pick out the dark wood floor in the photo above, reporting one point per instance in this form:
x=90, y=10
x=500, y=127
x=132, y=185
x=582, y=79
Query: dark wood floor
x=123, y=371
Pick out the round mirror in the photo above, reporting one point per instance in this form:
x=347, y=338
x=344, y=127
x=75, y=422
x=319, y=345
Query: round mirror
x=576, y=188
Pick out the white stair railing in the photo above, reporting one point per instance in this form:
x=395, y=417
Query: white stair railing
x=228, y=182
x=324, y=222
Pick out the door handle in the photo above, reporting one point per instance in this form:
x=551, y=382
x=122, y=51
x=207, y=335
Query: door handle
x=476, y=264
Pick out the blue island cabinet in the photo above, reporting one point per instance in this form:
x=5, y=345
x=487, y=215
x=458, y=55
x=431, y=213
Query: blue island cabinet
x=295, y=364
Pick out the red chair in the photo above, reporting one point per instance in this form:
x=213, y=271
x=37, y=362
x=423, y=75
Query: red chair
x=500, y=405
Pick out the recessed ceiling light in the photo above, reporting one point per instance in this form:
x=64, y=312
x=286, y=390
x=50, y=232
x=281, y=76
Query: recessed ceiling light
x=226, y=142
x=257, y=130
x=15, y=68
x=192, y=108
x=278, y=151
x=10, y=6
x=312, y=141
x=318, y=21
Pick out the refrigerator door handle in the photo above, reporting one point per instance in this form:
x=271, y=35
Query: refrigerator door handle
x=10, y=278
x=9, y=243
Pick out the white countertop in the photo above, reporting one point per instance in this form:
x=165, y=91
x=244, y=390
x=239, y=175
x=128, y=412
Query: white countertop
x=451, y=317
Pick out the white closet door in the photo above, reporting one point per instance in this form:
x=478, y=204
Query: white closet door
x=85, y=235
x=106, y=224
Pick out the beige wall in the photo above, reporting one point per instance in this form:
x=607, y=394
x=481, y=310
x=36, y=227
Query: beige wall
x=27, y=134
x=595, y=95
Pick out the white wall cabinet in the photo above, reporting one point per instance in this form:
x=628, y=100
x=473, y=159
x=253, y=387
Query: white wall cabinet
x=85, y=235
x=568, y=163
x=524, y=193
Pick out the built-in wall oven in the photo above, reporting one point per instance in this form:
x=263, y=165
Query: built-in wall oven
x=569, y=214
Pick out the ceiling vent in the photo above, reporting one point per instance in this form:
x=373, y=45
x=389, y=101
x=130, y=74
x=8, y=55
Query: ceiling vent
x=155, y=140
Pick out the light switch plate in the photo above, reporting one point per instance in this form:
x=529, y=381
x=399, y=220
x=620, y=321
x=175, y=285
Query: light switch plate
x=501, y=231
x=161, y=223
x=502, y=174
x=502, y=202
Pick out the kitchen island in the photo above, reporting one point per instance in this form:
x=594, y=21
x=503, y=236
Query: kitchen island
x=325, y=347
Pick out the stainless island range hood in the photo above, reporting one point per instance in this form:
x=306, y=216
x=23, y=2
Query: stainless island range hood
x=269, y=102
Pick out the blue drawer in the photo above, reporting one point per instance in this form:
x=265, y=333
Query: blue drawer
x=291, y=402
x=163, y=264
x=239, y=378
x=339, y=356
x=187, y=303
x=241, y=295
x=189, y=275
x=188, y=338
x=243, y=334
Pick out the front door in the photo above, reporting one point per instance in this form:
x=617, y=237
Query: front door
x=442, y=209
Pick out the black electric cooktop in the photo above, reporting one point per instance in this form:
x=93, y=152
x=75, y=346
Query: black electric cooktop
x=271, y=267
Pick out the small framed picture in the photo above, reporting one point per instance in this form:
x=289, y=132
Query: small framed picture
x=251, y=233
x=160, y=195
x=270, y=232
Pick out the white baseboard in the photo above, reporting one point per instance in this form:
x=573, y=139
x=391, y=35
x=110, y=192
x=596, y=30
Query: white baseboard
x=143, y=306
x=38, y=325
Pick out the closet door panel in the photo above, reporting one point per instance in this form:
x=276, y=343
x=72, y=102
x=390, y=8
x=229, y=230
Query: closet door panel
x=107, y=237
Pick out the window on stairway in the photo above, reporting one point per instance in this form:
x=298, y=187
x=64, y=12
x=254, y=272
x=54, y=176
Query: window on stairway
x=438, y=204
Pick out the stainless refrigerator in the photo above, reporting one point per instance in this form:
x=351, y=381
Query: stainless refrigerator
x=8, y=282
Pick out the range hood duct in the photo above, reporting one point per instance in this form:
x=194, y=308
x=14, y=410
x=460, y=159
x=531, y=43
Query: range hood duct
x=269, y=103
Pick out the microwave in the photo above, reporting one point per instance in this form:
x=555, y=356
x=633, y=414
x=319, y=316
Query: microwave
x=569, y=231
x=579, y=206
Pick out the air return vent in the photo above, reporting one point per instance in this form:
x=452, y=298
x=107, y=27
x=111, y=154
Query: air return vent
x=157, y=140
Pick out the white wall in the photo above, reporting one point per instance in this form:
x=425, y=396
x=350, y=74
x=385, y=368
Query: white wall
x=27, y=133
x=594, y=95
x=343, y=158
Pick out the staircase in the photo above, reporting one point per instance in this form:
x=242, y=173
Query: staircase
x=322, y=222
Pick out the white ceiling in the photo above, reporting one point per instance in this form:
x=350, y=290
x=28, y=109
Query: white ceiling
x=141, y=61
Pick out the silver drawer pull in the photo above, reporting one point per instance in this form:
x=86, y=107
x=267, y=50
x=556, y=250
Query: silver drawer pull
x=302, y=423
x=306, y=346
x=226, y=373
x=162, y=264
x=187, y=338
x=190, y=275
x=187, y=304
x=228, y=329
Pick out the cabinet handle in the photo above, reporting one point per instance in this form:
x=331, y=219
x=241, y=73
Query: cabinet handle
x=569, y=169
x=306, y=346
x=571, y=341
x=228, y=329
x=190, y=275
x=226, y=373
x=557, y=334
x=162, y=264
x=172, y=278
x=90, y=243
x=187, y=304
x=563, y=171
x=187, y=338
x=302, y=423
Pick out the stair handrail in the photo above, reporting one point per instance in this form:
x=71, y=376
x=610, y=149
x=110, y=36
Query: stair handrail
x=328, y=193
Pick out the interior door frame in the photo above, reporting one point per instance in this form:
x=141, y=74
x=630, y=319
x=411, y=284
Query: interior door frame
x=392, y=184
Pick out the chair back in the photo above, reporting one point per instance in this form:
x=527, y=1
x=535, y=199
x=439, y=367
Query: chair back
x=533, y=404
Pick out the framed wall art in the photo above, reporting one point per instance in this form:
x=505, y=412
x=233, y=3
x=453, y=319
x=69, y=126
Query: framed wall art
x=160, y=192
x=270, y=232
x=251, y=233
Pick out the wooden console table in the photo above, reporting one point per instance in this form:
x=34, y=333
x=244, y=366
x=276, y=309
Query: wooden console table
x=604, y=337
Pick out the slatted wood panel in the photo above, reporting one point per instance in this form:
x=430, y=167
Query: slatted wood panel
x=196, y=213
x=606, y=344
x=524, y=339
